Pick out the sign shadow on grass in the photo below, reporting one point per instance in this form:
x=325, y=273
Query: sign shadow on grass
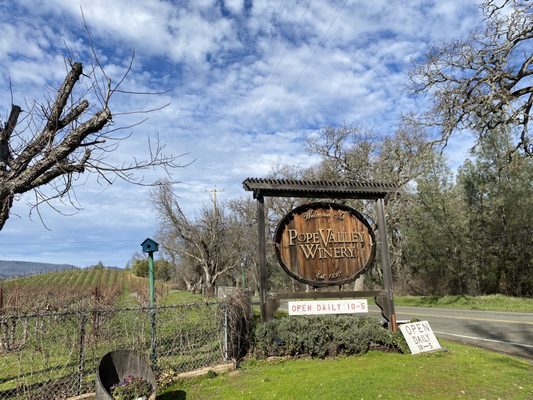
x=174, y=395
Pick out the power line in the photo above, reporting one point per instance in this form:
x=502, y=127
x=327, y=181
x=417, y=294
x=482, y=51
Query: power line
x=276, y=16
x=68, y=243
x=257, y=104
x=312, y=55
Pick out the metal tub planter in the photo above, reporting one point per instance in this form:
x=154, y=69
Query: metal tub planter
x=123, y=368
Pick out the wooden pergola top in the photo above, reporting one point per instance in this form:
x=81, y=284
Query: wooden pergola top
x=318, y=189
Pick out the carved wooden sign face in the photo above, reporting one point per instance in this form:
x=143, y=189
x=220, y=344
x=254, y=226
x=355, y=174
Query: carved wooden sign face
x=324, y=244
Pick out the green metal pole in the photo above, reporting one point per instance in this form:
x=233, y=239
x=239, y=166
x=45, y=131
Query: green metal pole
x=151, y=278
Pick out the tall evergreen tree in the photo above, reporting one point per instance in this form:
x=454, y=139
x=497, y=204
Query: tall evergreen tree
x=435, y=235
x=499, y=199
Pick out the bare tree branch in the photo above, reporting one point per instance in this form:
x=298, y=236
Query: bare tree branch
x=57, y=142
x=482, y=83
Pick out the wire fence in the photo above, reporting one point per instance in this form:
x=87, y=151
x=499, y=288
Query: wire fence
x=54, y=355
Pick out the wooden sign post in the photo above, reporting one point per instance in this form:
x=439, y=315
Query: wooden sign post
x=316, y=256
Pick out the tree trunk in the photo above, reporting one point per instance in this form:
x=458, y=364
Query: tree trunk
x=210, y=290
x=359, y=283
x=6, y=201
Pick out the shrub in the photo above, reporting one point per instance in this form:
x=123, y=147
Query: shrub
x=322, y=336
x=239, y=319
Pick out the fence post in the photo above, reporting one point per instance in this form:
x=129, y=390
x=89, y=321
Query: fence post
x=3, y=338
x=81, y=359
x=96, y=312
x=226, y=333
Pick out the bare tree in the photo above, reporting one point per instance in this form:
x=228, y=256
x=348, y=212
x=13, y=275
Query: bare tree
x=244, y=212
x=210, y=244
x=356, y=154
x=188, y=273
x=46, y=147
x=484, y=81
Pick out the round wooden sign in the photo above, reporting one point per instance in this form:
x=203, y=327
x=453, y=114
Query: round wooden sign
x=324, y=244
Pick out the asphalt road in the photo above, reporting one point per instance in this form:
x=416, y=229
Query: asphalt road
x=506, y=332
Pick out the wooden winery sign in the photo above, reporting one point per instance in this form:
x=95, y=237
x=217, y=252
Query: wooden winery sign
x=324, y=244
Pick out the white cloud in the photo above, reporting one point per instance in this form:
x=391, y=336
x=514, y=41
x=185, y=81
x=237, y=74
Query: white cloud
x=246, y=87
x=234, y=6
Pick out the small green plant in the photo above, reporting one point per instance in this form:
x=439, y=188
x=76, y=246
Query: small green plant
x=132, y=388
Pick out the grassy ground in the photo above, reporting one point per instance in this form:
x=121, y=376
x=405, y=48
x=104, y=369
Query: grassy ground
x=180, y=297
x=494, y=302
x=461, y=372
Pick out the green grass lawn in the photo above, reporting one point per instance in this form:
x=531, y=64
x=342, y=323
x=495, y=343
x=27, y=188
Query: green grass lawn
x=460, y=373
x=495, y=302
x=181, y=297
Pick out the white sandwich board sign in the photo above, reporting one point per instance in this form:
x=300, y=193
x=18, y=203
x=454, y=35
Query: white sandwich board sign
x=351, y=306
x=420, y=337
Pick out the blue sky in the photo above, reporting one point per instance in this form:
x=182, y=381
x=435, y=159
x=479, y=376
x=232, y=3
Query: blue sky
x=247, y=83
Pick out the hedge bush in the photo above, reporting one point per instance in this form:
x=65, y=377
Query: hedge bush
x=324, y=336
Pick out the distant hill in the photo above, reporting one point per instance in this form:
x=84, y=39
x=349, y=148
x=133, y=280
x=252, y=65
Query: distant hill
x=10, y=269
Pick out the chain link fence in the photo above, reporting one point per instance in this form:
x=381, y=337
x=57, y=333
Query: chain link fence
x=54, y=355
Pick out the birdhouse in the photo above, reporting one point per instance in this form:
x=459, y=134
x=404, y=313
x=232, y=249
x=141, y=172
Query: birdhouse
x=149, y=245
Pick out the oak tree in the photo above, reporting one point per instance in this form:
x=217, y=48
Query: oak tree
x=484, y=81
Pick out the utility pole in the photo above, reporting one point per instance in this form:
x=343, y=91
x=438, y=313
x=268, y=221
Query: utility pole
x=214, y=197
